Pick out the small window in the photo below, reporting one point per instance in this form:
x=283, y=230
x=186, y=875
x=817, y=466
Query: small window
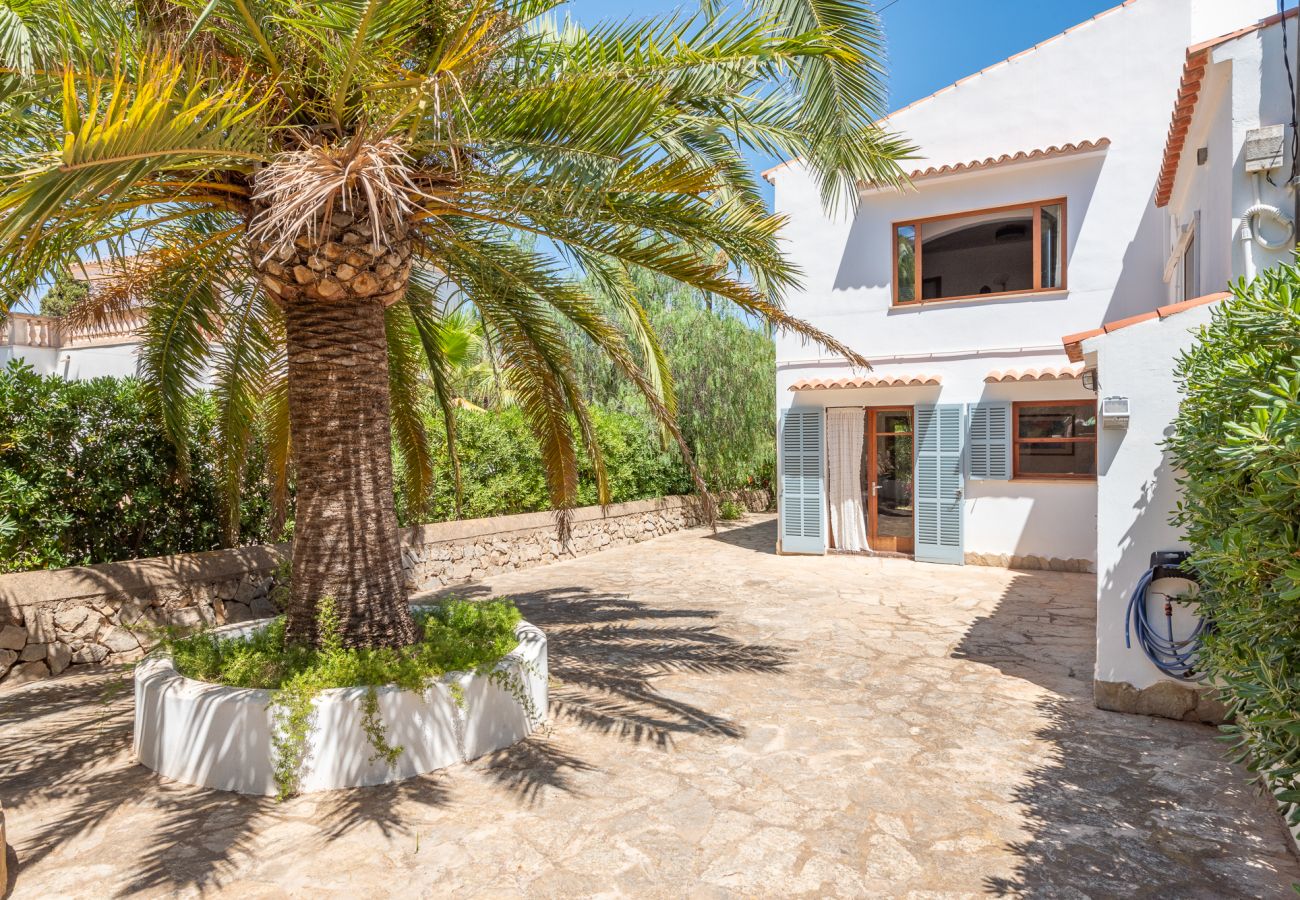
x=1054, y=439
x=986, y=253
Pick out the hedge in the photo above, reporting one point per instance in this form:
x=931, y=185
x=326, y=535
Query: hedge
x=87, y=476
x=1237, y=442
x=501, y=468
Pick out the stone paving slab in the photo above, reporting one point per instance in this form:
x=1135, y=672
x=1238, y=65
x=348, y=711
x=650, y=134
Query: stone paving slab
x=725, y=722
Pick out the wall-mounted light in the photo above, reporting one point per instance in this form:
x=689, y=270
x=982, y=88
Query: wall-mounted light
x=1115, y=412
x=1090, y=381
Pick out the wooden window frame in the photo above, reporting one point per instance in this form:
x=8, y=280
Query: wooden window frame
x=1016, y=440
x=1036, y=206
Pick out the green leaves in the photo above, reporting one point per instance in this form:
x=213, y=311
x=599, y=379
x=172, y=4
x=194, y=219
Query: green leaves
x=87, y=475
x=532, y=162
x=1237, y=442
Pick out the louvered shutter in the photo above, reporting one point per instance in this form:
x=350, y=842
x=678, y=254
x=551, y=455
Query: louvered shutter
x=939, y=484
x=803, y=494
x=988, y=440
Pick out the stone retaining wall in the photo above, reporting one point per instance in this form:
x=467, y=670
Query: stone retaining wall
x=54, y=619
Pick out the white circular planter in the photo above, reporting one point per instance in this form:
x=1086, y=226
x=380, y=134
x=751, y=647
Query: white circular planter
x=220, y=737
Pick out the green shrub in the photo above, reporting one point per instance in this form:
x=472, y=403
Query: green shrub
x=730, y=511
x=724, y=373
x=501, y=468
x=1237, y=441
x=456, y=636
x=87, y=476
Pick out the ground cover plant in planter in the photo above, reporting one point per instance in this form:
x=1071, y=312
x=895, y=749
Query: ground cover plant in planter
x=475, y=666
x=292, y=195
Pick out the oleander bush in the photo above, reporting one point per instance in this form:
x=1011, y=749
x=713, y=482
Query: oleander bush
x=1237, y=442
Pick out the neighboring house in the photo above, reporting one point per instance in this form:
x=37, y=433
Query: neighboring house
x=50, y=347
x=1031, y=217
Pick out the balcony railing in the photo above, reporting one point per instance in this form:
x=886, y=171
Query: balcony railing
x=26, y=330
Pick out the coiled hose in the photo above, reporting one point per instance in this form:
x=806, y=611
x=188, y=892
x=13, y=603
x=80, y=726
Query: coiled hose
x=1176, y=657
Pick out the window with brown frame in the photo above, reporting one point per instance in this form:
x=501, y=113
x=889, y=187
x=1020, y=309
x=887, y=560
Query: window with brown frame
x=994, y=252
x=1054, y=439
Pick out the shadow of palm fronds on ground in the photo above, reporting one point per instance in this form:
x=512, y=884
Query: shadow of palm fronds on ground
x=68, y=766
x=606, y=653
x=1102, y=820
x=71, y=758
x=68, y=756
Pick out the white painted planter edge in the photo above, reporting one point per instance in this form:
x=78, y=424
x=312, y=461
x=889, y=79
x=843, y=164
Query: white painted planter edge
x=220, y=737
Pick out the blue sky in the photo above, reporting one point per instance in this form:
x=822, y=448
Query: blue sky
x=931, y=43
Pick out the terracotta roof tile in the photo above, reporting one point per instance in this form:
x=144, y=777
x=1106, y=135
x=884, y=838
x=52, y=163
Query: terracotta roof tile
x=1066, y=149
x=1044, y=373
x=1073, y=342
x=1189, y=91
x=864, y=381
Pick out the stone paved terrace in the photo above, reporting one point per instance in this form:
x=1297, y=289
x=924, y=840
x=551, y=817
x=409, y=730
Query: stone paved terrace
x=726, y=722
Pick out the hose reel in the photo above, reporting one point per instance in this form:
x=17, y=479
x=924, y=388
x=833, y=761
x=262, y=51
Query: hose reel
x=1177, y=657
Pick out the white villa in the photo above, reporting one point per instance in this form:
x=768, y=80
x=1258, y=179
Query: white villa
x=50, y=347
x=1077, y=210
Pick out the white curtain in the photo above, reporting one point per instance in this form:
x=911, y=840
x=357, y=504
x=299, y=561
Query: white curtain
x=844, y=437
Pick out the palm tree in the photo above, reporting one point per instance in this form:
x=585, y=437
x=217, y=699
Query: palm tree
x=294, y=190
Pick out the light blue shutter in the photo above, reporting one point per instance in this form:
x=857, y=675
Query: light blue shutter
x=939, y=484
x=988, y=440
x=803, y=495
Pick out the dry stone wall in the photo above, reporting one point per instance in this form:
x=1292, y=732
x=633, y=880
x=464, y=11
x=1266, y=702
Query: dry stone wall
x=112, y=613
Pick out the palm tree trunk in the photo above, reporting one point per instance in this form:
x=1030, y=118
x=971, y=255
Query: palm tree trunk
x=345, y=544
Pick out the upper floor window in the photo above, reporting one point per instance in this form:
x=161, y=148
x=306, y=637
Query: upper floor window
x=990, y=252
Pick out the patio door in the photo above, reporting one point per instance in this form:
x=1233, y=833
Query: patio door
x=890, y=479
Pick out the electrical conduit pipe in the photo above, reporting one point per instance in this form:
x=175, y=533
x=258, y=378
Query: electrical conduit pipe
x=1250, y=231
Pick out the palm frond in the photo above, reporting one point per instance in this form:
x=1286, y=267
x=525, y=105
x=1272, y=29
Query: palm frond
x=242, y=369
x=422, y=303
x=406, y=400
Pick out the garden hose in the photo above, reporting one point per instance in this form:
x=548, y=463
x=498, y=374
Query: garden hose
x=1176, y=657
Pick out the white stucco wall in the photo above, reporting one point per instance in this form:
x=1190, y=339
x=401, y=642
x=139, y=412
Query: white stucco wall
x=41, y=359
x=1244, y=87
x=84, y=363
x=77, y=363
x=1008, y=518
x=1136, y=486
x=1113, y=77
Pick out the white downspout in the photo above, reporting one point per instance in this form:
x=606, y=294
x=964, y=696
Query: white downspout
x=1250, y=232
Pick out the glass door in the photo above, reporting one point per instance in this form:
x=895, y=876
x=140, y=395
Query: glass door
x=890, y=520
